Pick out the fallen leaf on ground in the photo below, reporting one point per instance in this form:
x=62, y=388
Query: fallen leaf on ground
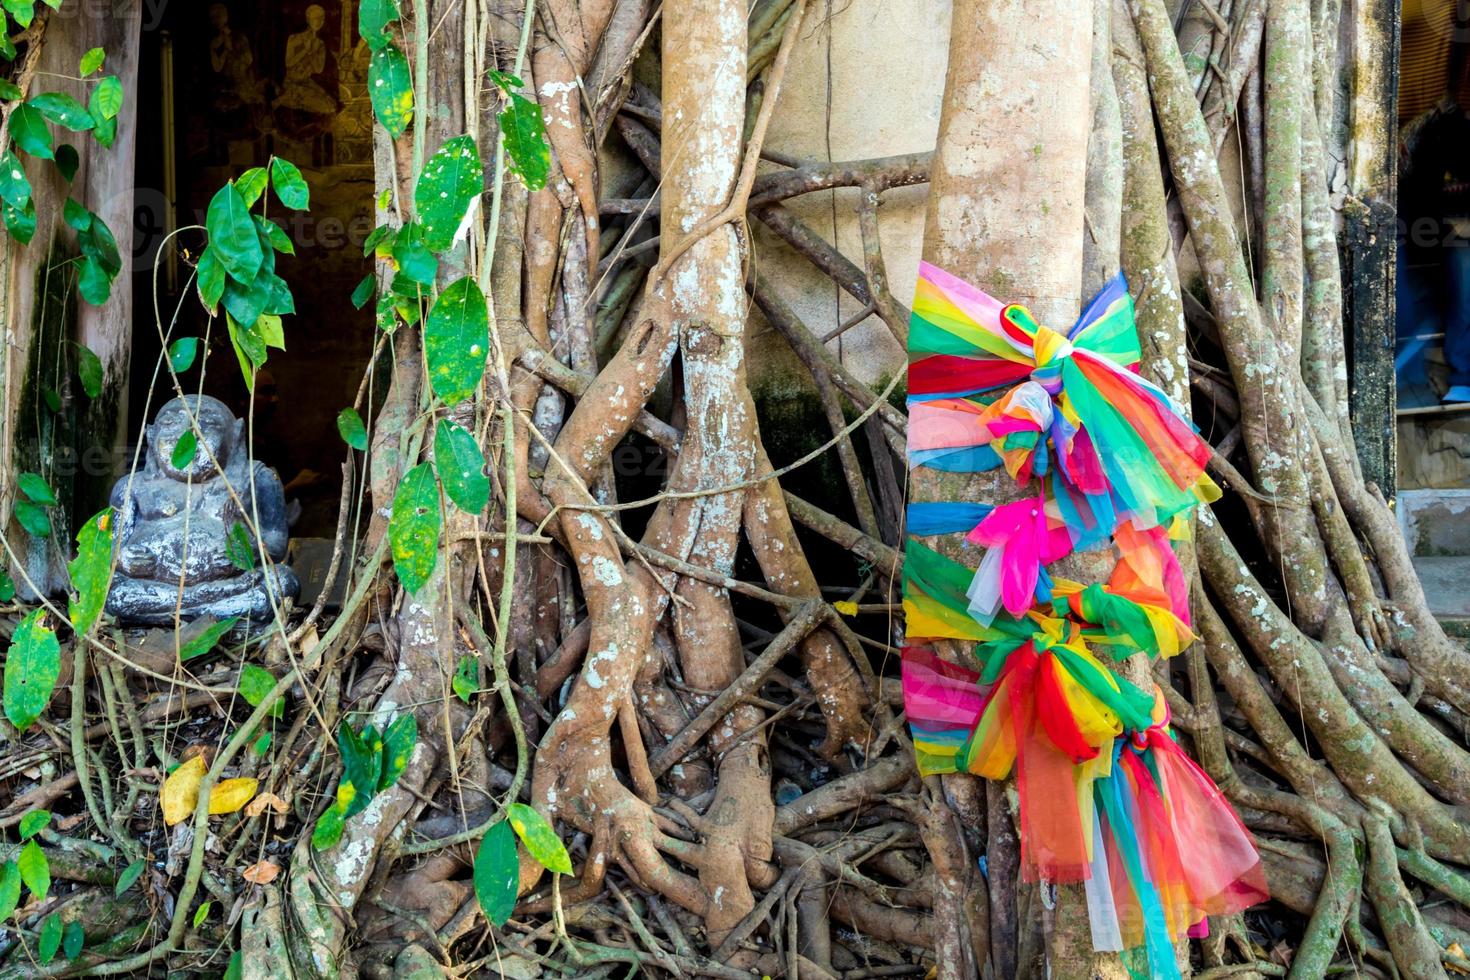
x=261, y=873
x=266, y=801
x=180, y=793
x=230, y=795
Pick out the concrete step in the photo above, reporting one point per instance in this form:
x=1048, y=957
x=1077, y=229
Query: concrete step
x=1446, y=581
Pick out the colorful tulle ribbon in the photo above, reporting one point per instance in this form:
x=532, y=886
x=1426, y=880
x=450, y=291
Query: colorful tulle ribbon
x=1105, y=460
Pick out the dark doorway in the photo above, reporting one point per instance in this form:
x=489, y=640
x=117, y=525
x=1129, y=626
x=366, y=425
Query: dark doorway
x=223, y=87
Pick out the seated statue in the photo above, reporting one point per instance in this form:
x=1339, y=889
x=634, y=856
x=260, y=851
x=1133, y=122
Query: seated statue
x=173, y=525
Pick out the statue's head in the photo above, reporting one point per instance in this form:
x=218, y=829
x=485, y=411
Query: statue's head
x=219, y=15
x=219, y=430
x=316, y=16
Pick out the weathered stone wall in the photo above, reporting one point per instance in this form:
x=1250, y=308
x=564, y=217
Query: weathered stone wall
x=864, y=81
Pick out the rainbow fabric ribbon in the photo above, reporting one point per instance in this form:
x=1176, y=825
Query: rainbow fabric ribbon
x=1105, y=460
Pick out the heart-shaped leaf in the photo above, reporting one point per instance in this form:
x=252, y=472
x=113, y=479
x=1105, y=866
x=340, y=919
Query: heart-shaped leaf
x=497, y=872
x=232, y=234
x=353, y=432
x=413, y=528
x=32, y=666
x=289, y=185
x=461, y=467
x=457, y=341
x=91, y=571
x=452, y=180
x=390, y=88
x=181, y=353
x=540, y=840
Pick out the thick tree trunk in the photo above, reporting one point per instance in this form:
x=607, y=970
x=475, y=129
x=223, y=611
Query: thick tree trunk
x=1007, y=211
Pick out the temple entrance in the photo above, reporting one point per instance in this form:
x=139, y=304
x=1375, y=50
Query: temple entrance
x=223, y=87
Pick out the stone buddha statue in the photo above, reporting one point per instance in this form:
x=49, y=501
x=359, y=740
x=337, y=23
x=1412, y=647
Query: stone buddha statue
x=174, y=525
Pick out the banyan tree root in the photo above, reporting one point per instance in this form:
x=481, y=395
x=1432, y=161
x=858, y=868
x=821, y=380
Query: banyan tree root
x=725, y=757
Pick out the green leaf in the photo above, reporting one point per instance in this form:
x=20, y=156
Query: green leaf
x=375, y=238
x=256, y=684
x=328, y=829
x=67, y=161
x=208, y=639
x=9, y=91
x=539, y=838
x=50, y=940
x=91, y=571
x=29, y=130
x=251, y=184
x=373, y=16
x=461, y=467
x=383, y=316
x=89, y=369
x=240, y=547
x=96, y=242
x=232, y=234
x=63, y=110
x=24, y=11
x=35, y=870
x=362, y=767
x=353, y=432
x=105, y=132
x=466, y=679
x=262, y=744
x=275, y=234
x=91, y=61
x=129, y=875
x=20, y=222
x=32, y=665
x=398, y=744
x=35, y=487
x=15, y=186
x=33, y=823
x=524, y=131
x=413, y=529
x=245, y=304
x=211, y=280
x=107, y=100
x=76, y=215
x=94, y=283
x=363, y=292
x=497, y=872
x=451, y=182
x=7, y=46
x=416, y=262
x=181, y=353
x=9, y=890
x=249, y=349
x=184, y=449
x=390, y=87
x=200, y=914
x=289, y=185
x=270, y=331
x=7, y=587
x=457, y=340
x=72, y=939
x=235, y=969
x=33, y=518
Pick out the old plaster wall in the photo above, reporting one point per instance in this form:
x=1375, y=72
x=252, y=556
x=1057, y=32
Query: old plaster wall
x=865, y=80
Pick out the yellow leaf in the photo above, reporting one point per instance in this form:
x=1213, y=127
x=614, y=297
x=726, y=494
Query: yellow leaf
x=180, y=791
x=230, y=795
x=846, y=608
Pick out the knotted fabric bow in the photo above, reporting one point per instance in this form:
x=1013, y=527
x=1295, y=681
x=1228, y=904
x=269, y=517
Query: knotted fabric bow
x=1107, y=461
